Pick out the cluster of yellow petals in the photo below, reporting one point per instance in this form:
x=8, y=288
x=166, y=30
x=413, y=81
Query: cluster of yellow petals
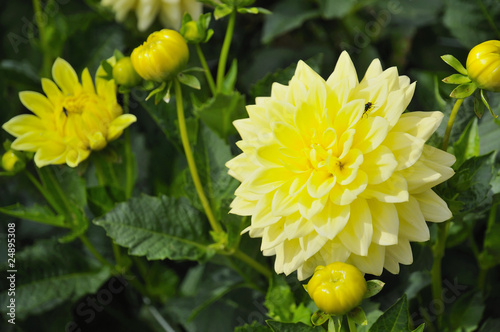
x=334, y=171
x=71, y=120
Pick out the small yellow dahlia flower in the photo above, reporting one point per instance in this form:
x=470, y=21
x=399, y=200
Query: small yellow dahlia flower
x=334, y=171
x=164, y=54
x=483, y=65
x=71, y=120
x=170, y=12
x=337, y=288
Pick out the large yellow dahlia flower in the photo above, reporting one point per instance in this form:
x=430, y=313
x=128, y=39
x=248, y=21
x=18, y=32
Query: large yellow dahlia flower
x=170, y=12
x=333, y=171
x=71, y=120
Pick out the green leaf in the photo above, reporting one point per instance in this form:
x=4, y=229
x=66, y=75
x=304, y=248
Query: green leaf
x=289, y=327
x=287, y=15
x=36, y=213
x=463, y=90
x=471, y=184
x=254, y=327
x=336, y=8
x=420, y=328
x=466, y=20
x=189, y=80
x=492, y=324
x=395, y=319
x=219, y=112
x=467, y=145
x=466, y=312
x=281, y=303
x=159, y=228
x=455, y=63
x=373, y=287
x=282, y=76
x=51, y=274
x=456, y=79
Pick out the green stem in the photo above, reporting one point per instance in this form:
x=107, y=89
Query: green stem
x=352, y=324
x=438, y=253
x=37, y=8
x=129, y=176
x=45, y=193
x=488, y=17
x=221, y=70
x=208, y=74
x=94, y=251
x=442, y=233
x=451, y=120
x=190, y=159
x=253, y=263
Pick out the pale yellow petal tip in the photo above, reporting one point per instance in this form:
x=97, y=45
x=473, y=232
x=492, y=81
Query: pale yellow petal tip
x=97, y=141
x=119, y=124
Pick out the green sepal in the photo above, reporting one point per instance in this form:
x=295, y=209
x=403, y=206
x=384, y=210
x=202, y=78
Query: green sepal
x=189, y=80
x=373, y=287
x=335, y=324
x=319, y=318
x=484, y=98
x=221, y=11
x=161, y=92
x=108, y=68
x=456, y=79
x=463, y=90
x=254, y=10
x=358, y=316
x=478, y=105
x=118, y=55
x=452, y=61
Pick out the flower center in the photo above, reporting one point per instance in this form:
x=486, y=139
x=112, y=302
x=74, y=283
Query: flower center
x=75, y=104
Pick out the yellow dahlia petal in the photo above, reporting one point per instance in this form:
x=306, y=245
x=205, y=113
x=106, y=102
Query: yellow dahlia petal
x=379, y=164
x=344, y=77
x=52, y=154
x=433, y=207
x=385, y=221
x=88, y=85
x=331, y=220
x=357, y=234
x=372, y=263
x=52, y=92
x=405, y=147
x=412, y=222
x=23, y=123
x=117, y=126
x=37, y=103
x=334, y=171
x=65, y=76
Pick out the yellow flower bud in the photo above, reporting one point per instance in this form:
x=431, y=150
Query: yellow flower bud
x=9, y=160
x=337, y=288
x=125, y=74
x=161, y=57
x=483, y=65
x=191, y=32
